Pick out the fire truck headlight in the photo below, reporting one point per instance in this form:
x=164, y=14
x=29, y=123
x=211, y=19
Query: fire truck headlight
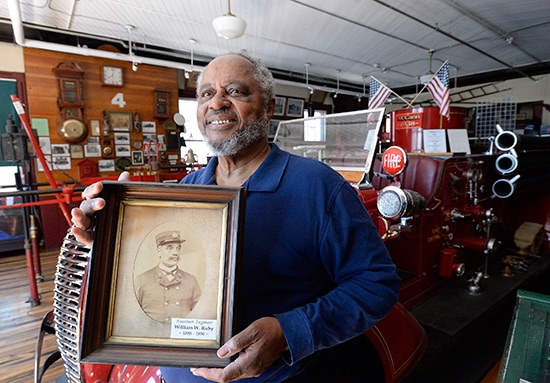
x=394, y=202
x=391, y=202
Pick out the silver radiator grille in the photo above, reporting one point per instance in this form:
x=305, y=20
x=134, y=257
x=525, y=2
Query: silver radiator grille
x=69, y=280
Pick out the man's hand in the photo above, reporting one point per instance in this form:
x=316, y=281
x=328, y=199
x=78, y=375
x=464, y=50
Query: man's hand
x=258, y=346
x=82, y=215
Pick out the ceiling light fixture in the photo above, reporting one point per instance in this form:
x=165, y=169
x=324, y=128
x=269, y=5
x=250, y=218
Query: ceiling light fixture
x=229, y=26
x=311, y=90
x=425, y=78
x=364, y=76
x=337, y=82
x=135, y=63
x=188, y=72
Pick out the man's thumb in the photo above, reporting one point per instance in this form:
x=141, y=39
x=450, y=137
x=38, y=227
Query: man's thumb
x=124, y=176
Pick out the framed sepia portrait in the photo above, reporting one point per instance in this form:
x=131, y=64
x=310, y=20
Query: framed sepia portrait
x=77, y=151
x=95, y=128
x=162, y=274
x=120, y=121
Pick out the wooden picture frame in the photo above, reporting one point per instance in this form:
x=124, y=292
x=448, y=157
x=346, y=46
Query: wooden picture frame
x=161, y=100
x=95, y=128
x=295, y=107
x=280, y=106
x=77, y=151
x=137, y=157
x=120, y=121
x=106, y=165
x=118, y=327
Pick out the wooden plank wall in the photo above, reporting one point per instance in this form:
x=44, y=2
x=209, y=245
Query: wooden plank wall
x=138, y=90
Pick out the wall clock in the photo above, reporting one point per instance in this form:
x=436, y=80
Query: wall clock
x=70, y=101
x=160, y=104
x=112, y=75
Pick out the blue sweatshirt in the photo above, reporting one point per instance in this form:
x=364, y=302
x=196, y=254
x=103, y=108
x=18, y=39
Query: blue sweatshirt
x=312, y=258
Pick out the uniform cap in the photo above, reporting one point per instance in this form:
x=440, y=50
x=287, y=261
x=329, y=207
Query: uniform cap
x=172, y=236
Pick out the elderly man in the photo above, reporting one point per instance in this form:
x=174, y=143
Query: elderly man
x=165, y=291
x=315, y=273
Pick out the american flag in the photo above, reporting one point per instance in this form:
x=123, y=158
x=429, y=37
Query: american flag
x=378, y=93
x=439, y=88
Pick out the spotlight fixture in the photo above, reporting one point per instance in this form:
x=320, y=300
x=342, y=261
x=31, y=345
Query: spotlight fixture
x=229, y=26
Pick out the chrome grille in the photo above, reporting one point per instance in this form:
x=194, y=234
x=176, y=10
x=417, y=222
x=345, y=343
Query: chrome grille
x=67, y=301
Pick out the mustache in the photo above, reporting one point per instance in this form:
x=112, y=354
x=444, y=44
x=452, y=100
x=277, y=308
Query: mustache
x=224, y=110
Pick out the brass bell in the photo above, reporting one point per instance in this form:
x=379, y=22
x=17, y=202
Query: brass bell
x=190, y=158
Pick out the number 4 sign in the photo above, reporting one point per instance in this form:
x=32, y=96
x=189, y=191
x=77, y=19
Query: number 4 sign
x=118, y=99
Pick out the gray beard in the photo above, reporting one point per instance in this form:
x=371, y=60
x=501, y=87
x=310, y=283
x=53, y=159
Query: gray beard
x=240, y=140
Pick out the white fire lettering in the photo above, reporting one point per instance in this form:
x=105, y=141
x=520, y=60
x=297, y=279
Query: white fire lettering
x=392, y=161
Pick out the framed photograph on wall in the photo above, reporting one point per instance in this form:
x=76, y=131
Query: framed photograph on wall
x=120, y=121
x=122, y=138
x=126, y=320
x=60, y=149
x=137, y=157
x=45, y=145
x=295, y=107
x=77, y=151
x=122, y=150
x=149, y=127
x=95, y=128
x=280, y=104
x=106, y=165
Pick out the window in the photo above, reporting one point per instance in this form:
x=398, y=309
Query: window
x=192, y=135
x=7, y=178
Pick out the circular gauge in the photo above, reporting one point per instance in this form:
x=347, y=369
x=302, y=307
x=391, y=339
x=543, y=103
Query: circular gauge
x=136, y=144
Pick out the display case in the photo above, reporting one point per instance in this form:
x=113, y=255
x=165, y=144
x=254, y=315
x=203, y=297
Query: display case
x=12, y=234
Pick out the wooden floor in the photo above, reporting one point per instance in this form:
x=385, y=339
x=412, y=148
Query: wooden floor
x=20, y=322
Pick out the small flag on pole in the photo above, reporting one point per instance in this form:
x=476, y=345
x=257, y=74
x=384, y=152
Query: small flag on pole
x=439, y=88
x=378, y=93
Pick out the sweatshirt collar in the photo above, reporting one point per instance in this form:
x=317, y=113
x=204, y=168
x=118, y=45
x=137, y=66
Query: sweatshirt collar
x=266, y=178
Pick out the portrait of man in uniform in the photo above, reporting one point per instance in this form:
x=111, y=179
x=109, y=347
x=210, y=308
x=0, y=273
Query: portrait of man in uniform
x=166, y=291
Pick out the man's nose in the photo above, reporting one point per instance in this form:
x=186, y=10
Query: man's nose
x=219, y=101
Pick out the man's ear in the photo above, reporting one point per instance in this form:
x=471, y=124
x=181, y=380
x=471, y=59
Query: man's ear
x=270, y=108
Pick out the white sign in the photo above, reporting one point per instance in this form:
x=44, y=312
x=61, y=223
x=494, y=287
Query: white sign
x=434, y=141
x=198, y=329
x=458, y=141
